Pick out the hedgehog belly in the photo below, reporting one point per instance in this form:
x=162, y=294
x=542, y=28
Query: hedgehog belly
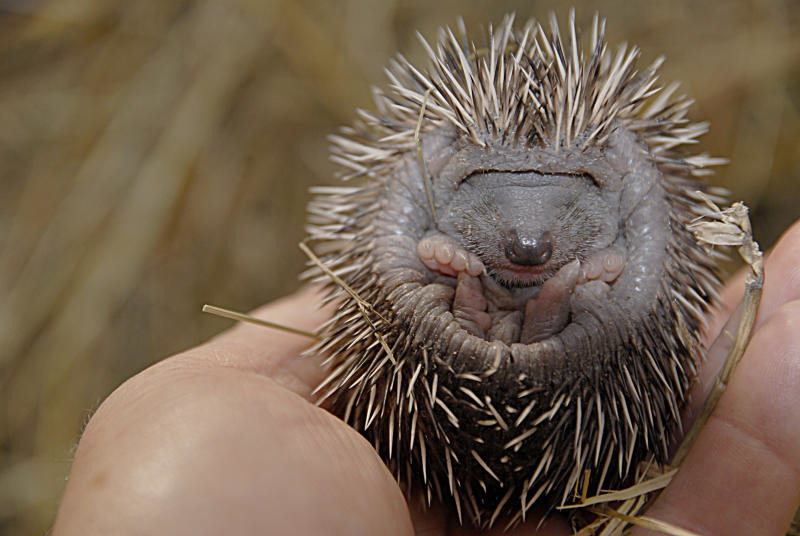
x=529, y=298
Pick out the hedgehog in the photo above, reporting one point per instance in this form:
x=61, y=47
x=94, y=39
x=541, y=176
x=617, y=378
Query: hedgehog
x=519, y=301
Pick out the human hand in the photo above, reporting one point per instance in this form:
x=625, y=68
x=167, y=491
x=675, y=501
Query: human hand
x=223, y=439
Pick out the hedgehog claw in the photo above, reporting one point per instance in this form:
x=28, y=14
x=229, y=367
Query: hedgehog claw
x=441, y=254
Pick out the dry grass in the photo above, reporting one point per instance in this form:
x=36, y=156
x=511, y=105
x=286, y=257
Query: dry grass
x=155, y=155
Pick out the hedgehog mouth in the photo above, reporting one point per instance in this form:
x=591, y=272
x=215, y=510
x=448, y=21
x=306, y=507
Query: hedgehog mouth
x=513, y=276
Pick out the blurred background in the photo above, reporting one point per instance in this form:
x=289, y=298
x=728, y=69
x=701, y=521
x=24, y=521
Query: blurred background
x=155, y=155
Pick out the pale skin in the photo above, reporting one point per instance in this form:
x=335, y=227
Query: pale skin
x=224, y=439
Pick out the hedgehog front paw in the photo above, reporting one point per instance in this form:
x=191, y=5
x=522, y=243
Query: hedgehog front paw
x=443, y=255
x=605, y=265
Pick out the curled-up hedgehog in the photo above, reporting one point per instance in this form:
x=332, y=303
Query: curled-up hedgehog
x=520, y=300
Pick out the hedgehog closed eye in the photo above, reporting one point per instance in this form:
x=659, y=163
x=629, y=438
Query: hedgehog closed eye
x=535, y=298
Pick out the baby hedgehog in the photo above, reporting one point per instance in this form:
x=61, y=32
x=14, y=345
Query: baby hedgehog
x=519, y=298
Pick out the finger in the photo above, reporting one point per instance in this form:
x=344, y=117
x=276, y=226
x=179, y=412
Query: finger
x=181, y=450
x=743, y=473
x=267, y=351
x=782, y=285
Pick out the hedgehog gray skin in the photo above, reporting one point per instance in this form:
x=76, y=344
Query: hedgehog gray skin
x=546, y=320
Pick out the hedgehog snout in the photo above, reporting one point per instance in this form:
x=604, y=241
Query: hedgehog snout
x=528, y=249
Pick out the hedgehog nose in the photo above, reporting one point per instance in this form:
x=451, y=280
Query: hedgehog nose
x=527, y=251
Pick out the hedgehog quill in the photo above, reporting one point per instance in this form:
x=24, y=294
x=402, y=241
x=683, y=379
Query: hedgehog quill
x=526, y=298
